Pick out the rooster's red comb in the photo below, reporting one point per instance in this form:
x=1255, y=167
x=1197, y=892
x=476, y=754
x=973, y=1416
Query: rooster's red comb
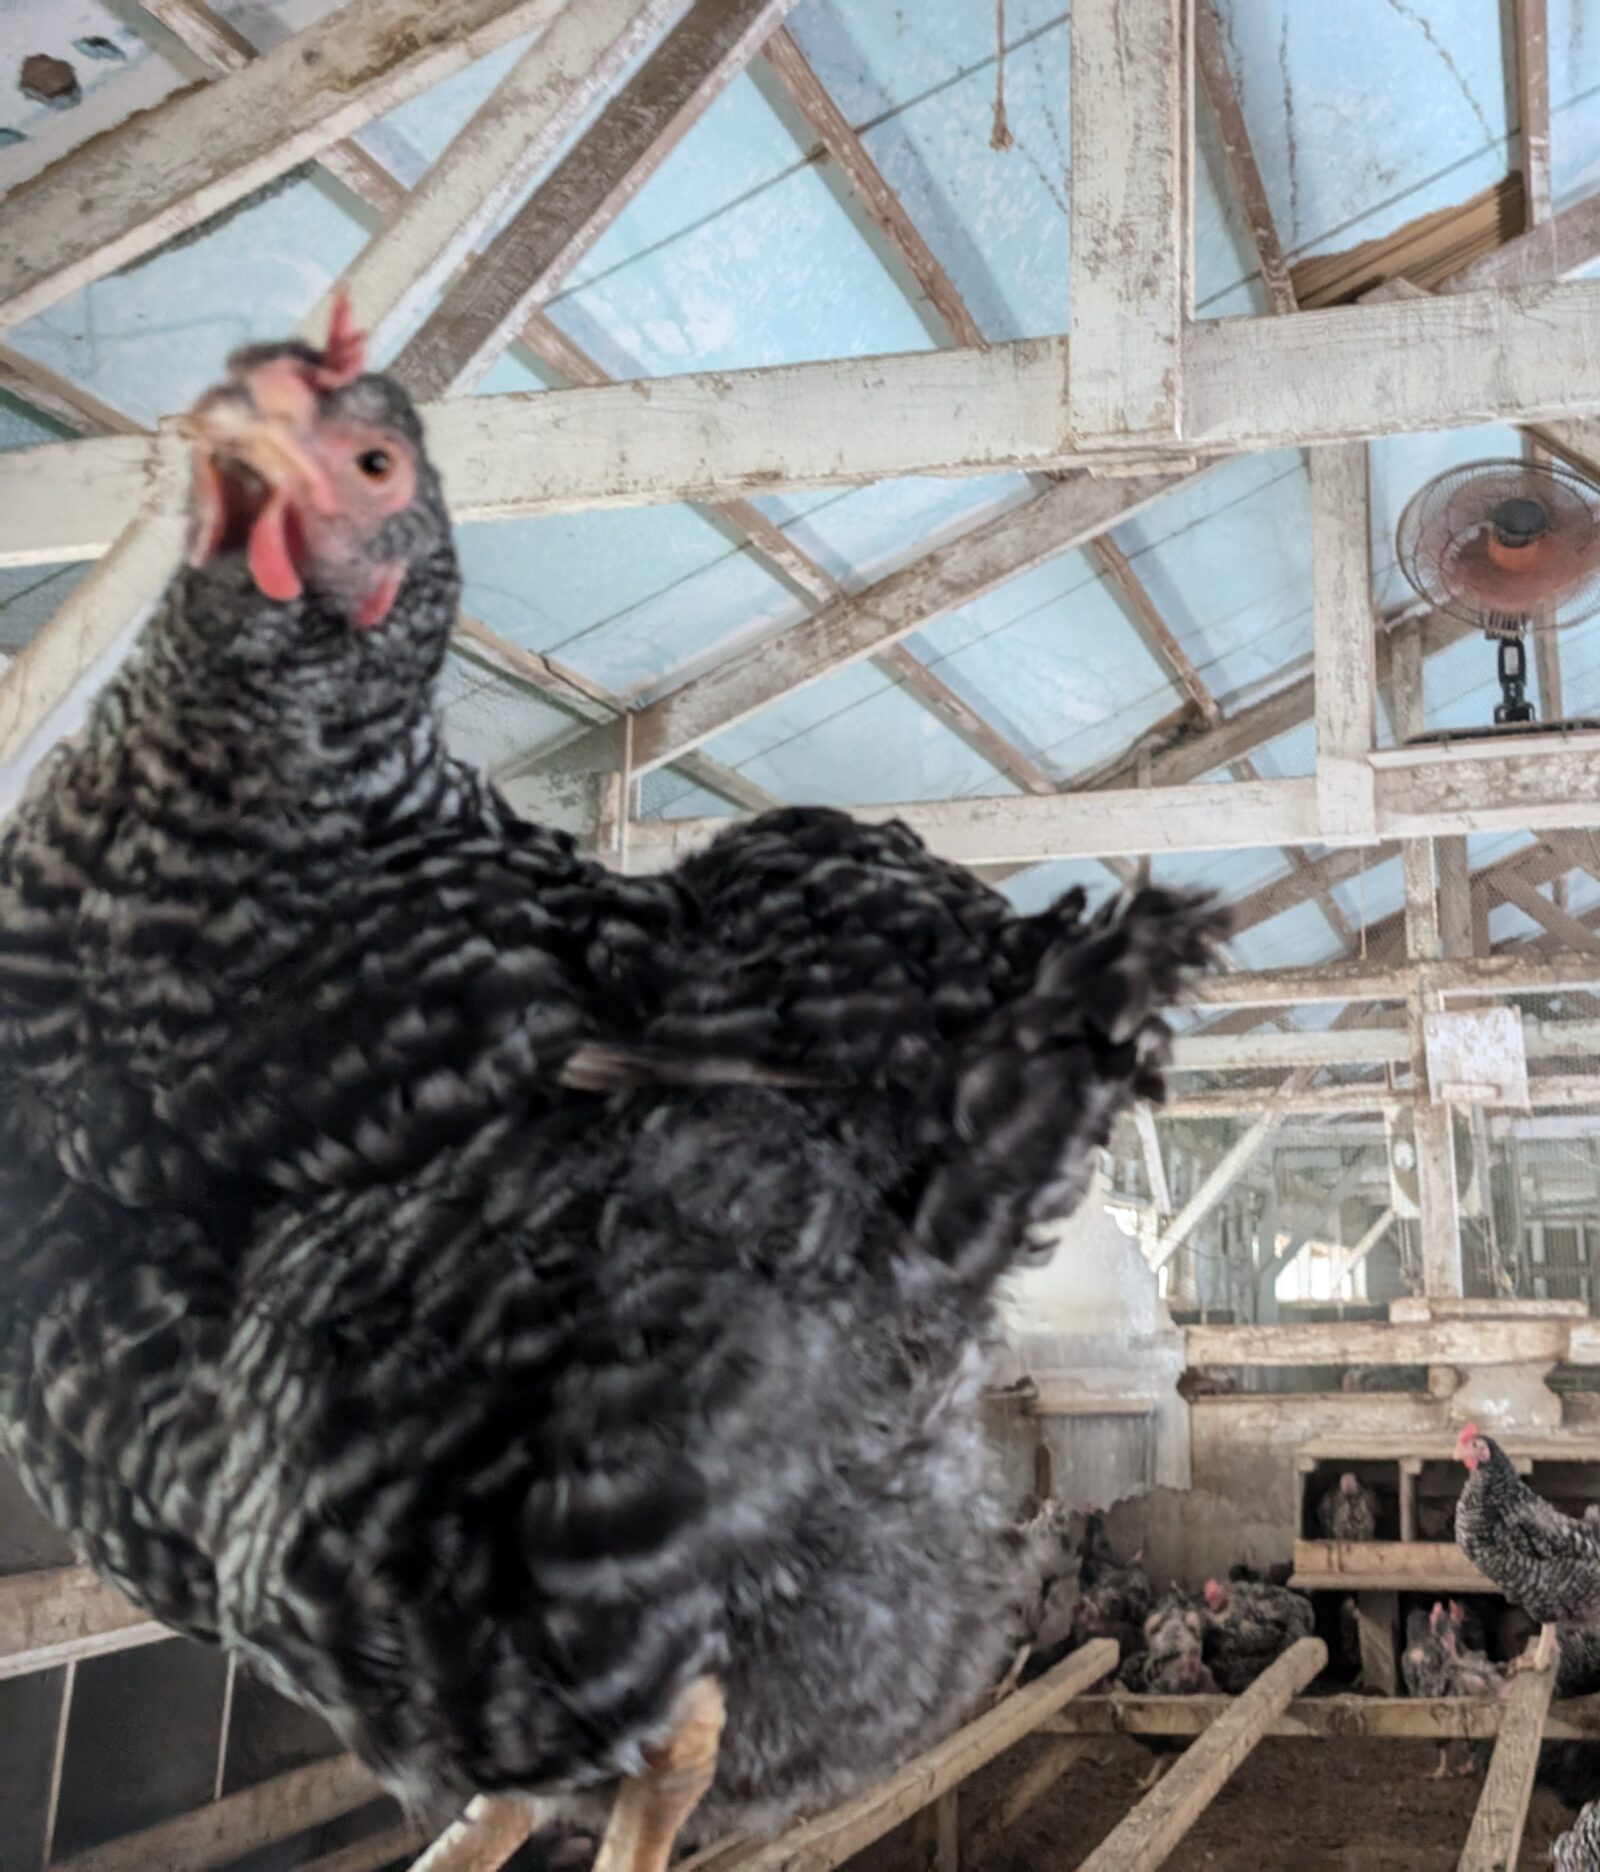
x=344, y=356
x=1468, y=1432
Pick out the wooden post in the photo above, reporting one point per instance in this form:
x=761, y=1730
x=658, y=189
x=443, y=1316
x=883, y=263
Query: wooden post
x=1496, y=1836
x=1151, y=1832
x=947, y=1818
x=1346, y=640
x=1130, y=282
x=1438, y=1205
x=1377, y=1625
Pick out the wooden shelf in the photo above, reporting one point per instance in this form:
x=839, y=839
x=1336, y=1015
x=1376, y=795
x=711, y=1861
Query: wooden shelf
x=1386, y=1566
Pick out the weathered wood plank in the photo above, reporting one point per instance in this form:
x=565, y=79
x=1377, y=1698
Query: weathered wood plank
x=1253, y=383
x=88, y=632
x=170, y=168
x=1130, y=241
x=1561, y=924
x=484, y=1838
x=1399, y=1719
x=508, y=139
x=1211, y=64
x=1093, y=825
x=1152, y=1831
x=1496, y=1835
x=238, y=1824
x=1364, y=1342
x=1346, y=655
x=530, y=256
x=60, y=1614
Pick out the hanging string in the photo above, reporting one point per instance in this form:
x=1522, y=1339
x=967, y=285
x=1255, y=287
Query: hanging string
x=1000, y=137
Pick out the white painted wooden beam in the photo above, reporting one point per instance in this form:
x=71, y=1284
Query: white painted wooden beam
x=1355, y=371
x=1236, y=816
x=60, y=669
x=1346, y=654
x=1436, y=792
x=1356, y=1255
x=1356, y=1046
x=511, y=136
x=1368, y=981
x=536, y=250
x=168, y=169
x=1129, y=276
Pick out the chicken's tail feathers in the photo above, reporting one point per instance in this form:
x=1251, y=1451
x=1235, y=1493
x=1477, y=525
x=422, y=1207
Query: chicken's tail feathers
x=1040, y=1084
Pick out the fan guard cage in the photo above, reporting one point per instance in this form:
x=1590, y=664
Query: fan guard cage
x=1450, y=553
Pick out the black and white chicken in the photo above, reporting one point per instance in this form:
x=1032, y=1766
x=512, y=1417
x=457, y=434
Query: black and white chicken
x=530, y=1314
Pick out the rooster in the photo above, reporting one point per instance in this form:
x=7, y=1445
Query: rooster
x=530, y=1315
x=1543, y=1560
x=1578, y=1849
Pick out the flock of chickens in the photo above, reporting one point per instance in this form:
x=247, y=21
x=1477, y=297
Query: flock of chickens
x=530, y=1314
x=1174, y=1644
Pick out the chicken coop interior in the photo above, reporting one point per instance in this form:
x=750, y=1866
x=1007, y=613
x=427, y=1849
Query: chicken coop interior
x=1139, y=443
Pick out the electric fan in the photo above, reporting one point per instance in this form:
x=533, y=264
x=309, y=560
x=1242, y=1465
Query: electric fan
x=1509, y=547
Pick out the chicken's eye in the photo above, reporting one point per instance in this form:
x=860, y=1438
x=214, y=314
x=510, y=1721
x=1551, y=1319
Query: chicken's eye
x=376, y=464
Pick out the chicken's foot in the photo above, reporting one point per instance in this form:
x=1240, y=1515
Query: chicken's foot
x=651, y=1808
x=1541, y=1655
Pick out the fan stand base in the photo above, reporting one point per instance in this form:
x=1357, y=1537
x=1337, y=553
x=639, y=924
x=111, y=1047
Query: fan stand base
x=1504, y=731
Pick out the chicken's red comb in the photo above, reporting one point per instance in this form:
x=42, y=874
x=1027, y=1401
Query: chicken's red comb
x=1468, y=1432
x=344, y=356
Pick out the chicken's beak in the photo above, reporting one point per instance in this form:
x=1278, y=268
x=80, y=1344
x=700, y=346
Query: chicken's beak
x=257, y=473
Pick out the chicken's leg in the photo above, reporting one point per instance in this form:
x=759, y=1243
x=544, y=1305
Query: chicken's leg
x=1540, y=1656
x=650, y=1808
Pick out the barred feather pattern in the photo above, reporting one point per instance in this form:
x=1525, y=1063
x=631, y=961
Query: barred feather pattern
x=1541, y=1559
x=476, y=1404
x=1578, y=1849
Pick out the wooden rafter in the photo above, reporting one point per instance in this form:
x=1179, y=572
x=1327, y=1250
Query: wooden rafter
x=509, y=138
x=168, y=169
x=838, y=138
x=1216, y=80
x=535, y=251
x=863, y=623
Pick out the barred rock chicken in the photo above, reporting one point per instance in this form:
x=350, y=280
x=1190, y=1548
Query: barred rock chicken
x=1250, y=1623
x=1541, y=1559
x=1172, y=1660
x=529, y=1314
x=1578, y=1849
x=1349, y=1510
x=1437, y=1663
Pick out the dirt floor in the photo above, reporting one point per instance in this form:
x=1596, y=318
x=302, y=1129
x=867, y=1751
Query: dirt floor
x=1350, y=1806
